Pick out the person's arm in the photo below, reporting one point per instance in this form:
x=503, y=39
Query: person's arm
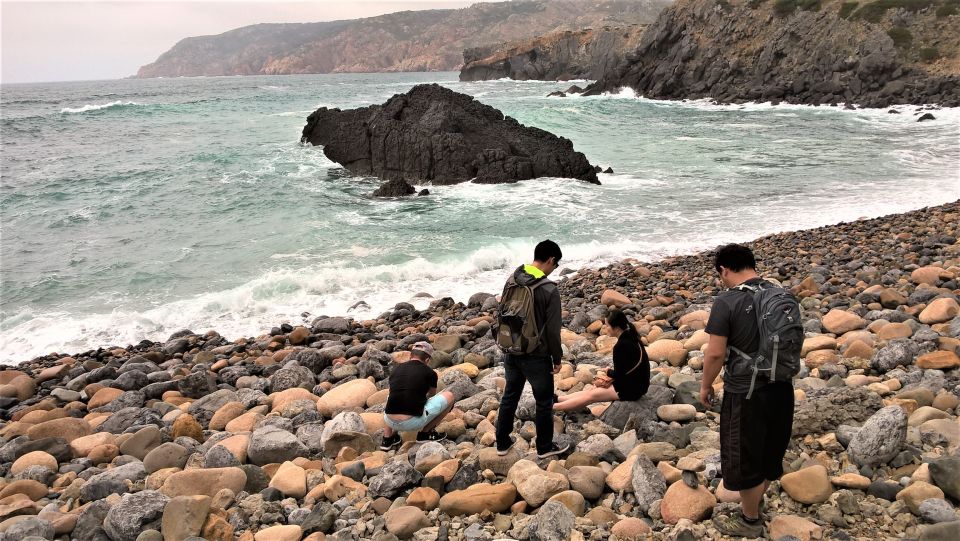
x=718, y=327
x=712, y=363
x=551, y=327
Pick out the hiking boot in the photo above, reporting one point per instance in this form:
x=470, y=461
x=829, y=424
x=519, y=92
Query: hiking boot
x=734, y=525
x=391, y=442
x=503, y=452
x=554, y=450
x=431, y=435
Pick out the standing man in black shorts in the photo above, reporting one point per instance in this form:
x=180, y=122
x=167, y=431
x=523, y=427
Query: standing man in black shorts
x=754, y=432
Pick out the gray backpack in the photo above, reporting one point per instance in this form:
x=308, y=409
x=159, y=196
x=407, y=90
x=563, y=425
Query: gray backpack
x=517, y=329
x=781, y=336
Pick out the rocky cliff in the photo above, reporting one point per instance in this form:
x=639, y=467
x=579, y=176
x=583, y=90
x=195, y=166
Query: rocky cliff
x=430, y=40
x=873, y=53
x=435, y=135
x=557, y=56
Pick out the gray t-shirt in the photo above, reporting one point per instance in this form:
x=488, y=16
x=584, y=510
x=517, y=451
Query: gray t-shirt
x=730, y=317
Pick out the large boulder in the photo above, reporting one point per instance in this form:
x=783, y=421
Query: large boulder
x=881, y=437
x=433, y=134
x=641, y=410
x=133, y=514
x=270, y=444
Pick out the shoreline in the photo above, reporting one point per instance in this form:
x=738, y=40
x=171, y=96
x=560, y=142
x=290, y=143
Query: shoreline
x=560, y=279
x=277, y=437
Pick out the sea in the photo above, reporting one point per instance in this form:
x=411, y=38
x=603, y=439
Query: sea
x=131, y=209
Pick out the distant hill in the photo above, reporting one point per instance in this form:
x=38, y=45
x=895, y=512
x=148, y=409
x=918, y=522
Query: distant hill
x=871, y=52
x=430, y=40
x=557, y=56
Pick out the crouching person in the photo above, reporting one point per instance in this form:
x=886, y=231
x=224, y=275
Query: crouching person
x=413, y=403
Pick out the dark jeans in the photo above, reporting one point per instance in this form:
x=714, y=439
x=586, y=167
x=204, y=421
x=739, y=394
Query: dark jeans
x=538, y=370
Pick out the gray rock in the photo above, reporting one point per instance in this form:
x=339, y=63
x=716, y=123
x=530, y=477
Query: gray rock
x=596, y=445
x=65, y=395
x=166, y=455
x=936, y=510
x=311, y=435
x=257, y=479
x=899, y=352
x=430, y=450
x=320, y=519
x=335, y=325
x=649, y=485
x=129, y=399
x=945, y=531
x=176, y=345
x=270, y=444
x=134, y=514
x=946, y=475
x=552, y=522
x=457, y=383
x=198, y=384
x=880, y=438
x=112, y=481
x=845, y=433
x=824, y=410
x=393, y=478
x=31, y=526
x=641, y=410
x=347, y=421
x=90, y=523
x=219, y=457
x=290, y=377
x=126, y=418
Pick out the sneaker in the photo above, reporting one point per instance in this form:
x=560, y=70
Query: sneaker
x=503, y=452
x=431, y=435
x=389, y=443
x=734, y=525
x=554, y=451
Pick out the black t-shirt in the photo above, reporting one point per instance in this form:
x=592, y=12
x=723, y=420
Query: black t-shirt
x=730, y=317
x=409, y=383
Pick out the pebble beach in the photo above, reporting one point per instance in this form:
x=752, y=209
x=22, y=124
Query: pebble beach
x=276, y=437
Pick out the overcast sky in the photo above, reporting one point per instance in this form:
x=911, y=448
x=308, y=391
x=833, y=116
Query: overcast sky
x=67, y=41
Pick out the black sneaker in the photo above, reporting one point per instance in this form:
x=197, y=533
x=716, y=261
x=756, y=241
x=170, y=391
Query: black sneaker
x=503, y=452
x=389, y=443
x=554, y=451
x=431, y=435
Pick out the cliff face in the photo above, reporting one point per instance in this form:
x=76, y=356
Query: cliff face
x=431, y=40
x=873, y=53
x=558, y=56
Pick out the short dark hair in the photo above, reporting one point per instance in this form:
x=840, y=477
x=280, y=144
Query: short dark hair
x=735, y=257
x=419, y=354
x=547, y=249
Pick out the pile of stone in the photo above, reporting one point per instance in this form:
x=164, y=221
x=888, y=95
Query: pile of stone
x=276, y=437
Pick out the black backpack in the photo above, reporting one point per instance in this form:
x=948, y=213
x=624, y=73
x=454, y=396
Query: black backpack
x=781, y=336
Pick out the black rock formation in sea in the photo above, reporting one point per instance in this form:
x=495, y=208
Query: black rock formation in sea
x=433, y=135
x=872, y=53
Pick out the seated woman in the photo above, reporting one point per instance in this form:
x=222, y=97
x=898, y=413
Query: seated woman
x=630, y=377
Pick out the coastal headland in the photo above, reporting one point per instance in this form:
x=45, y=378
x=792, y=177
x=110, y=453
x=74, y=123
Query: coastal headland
x=275, y=437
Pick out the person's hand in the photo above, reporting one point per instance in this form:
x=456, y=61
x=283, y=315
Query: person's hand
x=556, y=368
x=706, y=396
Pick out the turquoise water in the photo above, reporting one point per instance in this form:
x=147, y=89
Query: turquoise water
x=134, y=208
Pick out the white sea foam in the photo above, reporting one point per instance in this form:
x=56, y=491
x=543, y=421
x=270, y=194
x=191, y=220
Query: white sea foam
x=88, y=108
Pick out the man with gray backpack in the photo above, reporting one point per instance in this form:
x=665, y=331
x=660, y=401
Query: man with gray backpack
x=528, y=333
x=756, y=337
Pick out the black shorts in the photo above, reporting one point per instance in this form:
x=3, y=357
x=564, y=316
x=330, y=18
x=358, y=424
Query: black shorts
x=754, y=435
